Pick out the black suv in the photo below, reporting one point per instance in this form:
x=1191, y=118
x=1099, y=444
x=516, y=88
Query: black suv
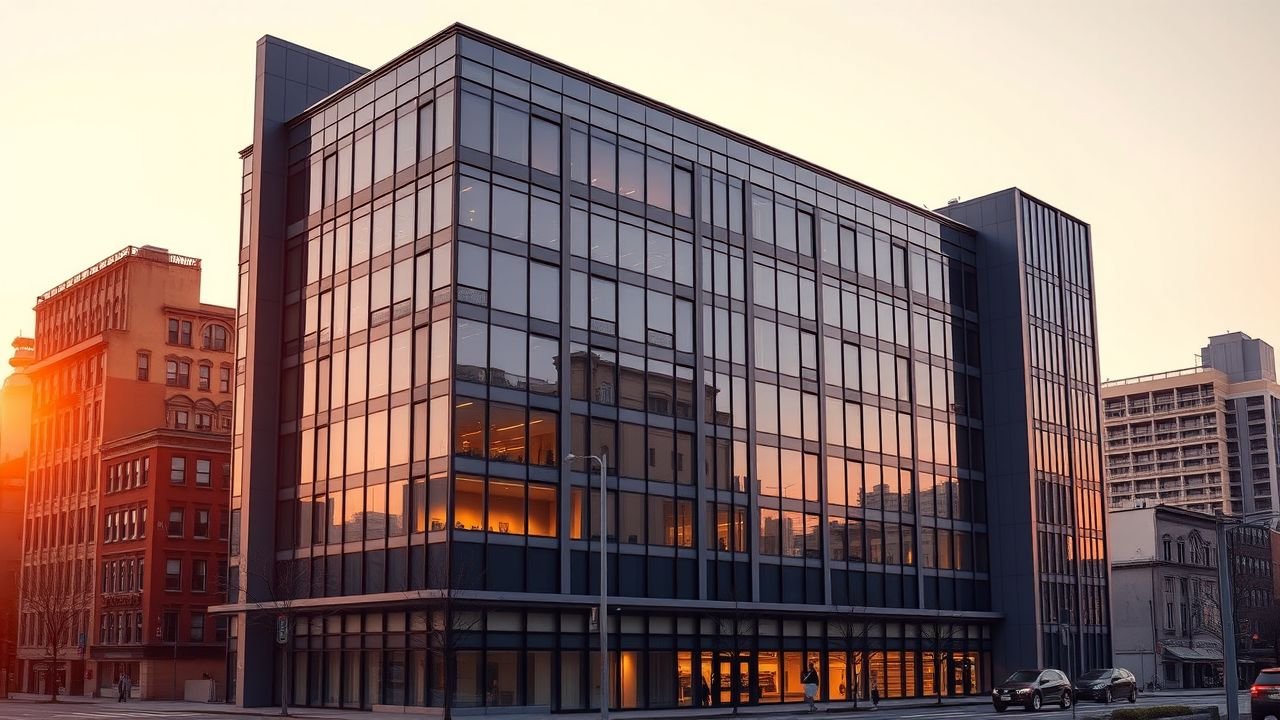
x=1032, y=689
x=1264, y=696
x=1106, y=685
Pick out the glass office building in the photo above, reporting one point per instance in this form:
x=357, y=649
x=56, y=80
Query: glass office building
x=462, y=267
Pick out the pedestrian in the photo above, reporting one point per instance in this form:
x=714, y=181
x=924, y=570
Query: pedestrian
x=705, y=691
x=810, y=681
x=122, y=689
x=875, y=691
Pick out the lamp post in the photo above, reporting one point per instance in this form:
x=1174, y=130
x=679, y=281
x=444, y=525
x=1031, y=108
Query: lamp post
x=602, y=614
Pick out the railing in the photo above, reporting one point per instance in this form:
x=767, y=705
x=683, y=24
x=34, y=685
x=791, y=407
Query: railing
x=1154, y=376
x=151, y=253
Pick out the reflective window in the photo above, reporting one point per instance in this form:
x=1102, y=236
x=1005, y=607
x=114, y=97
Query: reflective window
x=658, y=183
x=473, y=203
x=604, y=240
x=603, y=164
x=659, y=255
x=508, y=356
x=545, y=222
x=631, y=173
x=770, y=532
x=509, y=284
x=631, y=244
x=545, y=149
x=767, y=470
x=510, y=134
x=510, y=213
x=474, y=122
x=472, y=346
x=544, y=301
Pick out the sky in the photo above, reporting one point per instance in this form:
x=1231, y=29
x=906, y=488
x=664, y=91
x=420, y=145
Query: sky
x=1154, y=121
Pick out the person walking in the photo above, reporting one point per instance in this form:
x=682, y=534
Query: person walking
x=705, y=691
x=123, y=688
x=875, y=692
x=810, y=681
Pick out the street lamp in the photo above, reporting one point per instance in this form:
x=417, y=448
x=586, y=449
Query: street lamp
x=1231, y=679
x=602, y=614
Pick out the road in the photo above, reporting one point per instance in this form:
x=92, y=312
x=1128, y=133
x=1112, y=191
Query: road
x=14, y=710
x=95, y=711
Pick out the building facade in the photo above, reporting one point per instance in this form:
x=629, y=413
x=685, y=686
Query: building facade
x=1165, y=595
x=130, y=440
x=1203, y=438
x=466, y=265
x=15, y=433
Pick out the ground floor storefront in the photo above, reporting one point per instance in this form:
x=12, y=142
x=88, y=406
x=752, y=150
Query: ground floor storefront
x=43, y=676
x=505, y=657
x=153, y=676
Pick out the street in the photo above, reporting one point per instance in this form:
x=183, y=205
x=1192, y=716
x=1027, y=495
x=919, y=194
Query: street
x=106, y=710
x=12, y=710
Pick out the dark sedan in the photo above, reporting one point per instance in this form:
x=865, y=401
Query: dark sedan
x=1107, y=684
x=1264, y=696
x=1033, y=689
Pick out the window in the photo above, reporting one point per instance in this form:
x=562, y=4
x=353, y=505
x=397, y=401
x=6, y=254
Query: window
x=199, y=576
x=144, y=366
x=180, y=419
x=177, y=373
x=179, y=332
x=177, y=470
x=201, y=529
x=172, y=582
x=224, y=379
x=204, y=382
x=204, y=421
x=203, y=472
x=176, y=516
x=169, y=624
x=197, y=623
x=215, y=338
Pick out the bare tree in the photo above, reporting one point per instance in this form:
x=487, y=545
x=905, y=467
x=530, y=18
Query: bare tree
x=852, y=632
x=446, y=624
x=740, y=629
x=53, y=601
x=445, y=628
x=290, y=582
x=1268, y=621
x=936, y=640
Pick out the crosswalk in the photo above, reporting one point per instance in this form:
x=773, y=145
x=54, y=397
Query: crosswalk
x=105, y=714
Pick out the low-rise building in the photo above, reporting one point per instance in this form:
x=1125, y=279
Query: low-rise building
x=1165, y=596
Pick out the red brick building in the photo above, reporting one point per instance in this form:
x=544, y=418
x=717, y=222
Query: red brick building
x=162, y=558
x=127, y=480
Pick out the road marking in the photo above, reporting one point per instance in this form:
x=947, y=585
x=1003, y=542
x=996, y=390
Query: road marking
x=129, y=714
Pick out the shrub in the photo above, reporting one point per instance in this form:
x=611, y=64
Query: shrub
x=1151, y=713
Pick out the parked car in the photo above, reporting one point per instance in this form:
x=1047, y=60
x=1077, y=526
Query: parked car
x=1107, y=684
x=1264, y=696
x=1032, y=689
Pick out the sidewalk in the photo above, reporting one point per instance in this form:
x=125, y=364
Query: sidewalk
x=760, y=712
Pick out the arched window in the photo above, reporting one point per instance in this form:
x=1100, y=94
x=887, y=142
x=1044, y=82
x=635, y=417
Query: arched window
x=1167, y=545
x=215, y=337
x=1182, y=550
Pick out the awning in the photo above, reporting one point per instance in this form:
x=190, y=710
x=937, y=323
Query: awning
x=1186, y=654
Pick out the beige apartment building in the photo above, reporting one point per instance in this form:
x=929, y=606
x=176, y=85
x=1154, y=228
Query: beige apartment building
x=1202, y=438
